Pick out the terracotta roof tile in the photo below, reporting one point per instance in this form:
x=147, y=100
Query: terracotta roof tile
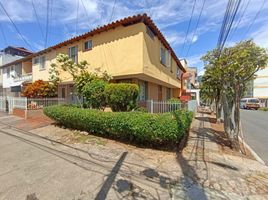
x=131, y=19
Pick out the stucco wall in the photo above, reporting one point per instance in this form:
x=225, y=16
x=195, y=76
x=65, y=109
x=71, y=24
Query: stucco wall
x=152, y=64
x=117, y=51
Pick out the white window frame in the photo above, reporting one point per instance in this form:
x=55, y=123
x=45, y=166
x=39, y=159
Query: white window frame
x=42, y=63
x=89, y=47
x=167, y=54
x=36, y=61
x=75, y=59
x=178, y=73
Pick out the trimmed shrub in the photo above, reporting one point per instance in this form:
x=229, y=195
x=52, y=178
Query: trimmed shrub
x=94, y=93
x=122, y=96
x=142, y=128
x=39, y=89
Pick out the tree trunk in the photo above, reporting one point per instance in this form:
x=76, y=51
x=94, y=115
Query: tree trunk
x=237, y=116
x=227, y=112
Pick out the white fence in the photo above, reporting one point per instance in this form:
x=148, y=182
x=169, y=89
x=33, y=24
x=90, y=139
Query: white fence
x=153, y=106
x=9, y=103
x=33, y=104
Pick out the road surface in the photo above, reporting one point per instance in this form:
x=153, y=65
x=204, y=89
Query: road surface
x=255, y=128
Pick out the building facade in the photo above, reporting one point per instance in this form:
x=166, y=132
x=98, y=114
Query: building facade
x=130, y=50
x=12, y=76
x=260, y=86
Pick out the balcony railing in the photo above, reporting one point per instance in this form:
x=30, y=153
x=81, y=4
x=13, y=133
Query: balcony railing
x=23, y=77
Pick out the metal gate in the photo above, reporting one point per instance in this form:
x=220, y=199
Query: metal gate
x=7, y=104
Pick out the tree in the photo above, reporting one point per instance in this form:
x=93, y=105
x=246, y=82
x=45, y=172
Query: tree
x=94, y=93
x=78, y=72
x=228, y=75
x=39, y=89
x=122, y=96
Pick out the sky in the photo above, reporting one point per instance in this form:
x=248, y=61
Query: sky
x=67, y=18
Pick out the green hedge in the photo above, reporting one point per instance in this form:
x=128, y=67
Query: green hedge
x=122, y=96
x=142, y=128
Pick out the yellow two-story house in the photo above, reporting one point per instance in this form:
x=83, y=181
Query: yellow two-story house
x=131, y=50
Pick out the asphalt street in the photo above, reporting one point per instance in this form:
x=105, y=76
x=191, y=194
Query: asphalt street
x=255, y=129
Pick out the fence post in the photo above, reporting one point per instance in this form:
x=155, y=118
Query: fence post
x=152, y=106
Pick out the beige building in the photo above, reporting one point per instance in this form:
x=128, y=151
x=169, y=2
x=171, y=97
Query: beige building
x=130, y=50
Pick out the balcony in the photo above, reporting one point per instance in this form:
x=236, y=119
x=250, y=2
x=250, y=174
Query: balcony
x=23, y=77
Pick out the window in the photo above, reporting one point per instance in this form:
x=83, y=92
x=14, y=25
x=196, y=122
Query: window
x=36, y=61
x=143, y=90
x=168, y=93
x=178, y=73
x=73, y=53
x=8, y=72
x=165, y=57
x=150, y=32
x=88, y=45
x=63, y=94
x=42, y=61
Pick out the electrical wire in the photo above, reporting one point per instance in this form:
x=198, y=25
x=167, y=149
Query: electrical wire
x=229, y=16
x=256, y=16
x=112, y=14
x=3, y=34
x=196, y=27
x=239, y=21
x=76, y=21
x=16, y=28
x=37, y=20
x=85, y=11
x=188, y=28
x=47, y=24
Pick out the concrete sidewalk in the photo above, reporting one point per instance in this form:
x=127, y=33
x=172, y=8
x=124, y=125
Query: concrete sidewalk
x=46, y=163
x=209, y=172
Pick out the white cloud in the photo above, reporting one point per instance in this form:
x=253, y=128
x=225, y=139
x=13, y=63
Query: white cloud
x=260, y=36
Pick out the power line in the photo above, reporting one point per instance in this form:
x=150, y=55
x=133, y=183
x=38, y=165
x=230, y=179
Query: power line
x=112, y=14
x=256, y=16
x=76, y=21
x=16, y=28
x=238, y=23
x=47, y=24
x=85, y=11
x=197, y=24
x=149, y=11
x=3, y=34
x=229, y=16
x=188, y=28
x=234, y=13
x=37, y=19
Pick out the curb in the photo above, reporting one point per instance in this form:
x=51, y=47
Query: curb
x=251, y=151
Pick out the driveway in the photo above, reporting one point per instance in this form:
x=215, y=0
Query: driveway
x=255, y=128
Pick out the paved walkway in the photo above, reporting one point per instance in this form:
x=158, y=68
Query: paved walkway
x=45, y=163
x=211, y=171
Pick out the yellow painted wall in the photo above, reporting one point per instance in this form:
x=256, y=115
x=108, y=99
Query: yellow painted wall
x=117, y=51
x=152, y=64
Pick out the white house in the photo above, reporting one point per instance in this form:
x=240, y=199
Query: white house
x=13, y=76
